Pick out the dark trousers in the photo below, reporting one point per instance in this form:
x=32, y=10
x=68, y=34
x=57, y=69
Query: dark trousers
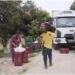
x=47, y=53
x=12, y=54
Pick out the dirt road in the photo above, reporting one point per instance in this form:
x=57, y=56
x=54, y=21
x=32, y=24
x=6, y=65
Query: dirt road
x=62, y=64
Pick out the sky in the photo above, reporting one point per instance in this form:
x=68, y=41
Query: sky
x=50, y=5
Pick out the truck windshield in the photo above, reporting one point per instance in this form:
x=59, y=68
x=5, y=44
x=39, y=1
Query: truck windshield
x=66, y=22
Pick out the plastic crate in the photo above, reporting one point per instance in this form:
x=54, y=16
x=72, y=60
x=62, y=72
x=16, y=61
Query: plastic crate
x=25, y=57
x=37, y=47
x=29, y=49
x=18, y=59
x=64, y=50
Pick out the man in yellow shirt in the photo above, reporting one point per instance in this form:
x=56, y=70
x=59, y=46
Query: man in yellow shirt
x=47, y=37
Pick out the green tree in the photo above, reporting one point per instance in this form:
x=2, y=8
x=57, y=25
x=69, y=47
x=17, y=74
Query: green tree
x=10, y=18
x=73, y=6
x=34, y=28
x=32, y=16
x=26, y=17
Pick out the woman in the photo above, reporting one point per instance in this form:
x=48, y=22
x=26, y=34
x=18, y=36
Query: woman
x=47, y=37
x=15, y=41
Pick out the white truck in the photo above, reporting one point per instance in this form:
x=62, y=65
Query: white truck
x=64, y=22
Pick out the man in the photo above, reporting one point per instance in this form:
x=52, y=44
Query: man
x=15, y=42
x=47, y=37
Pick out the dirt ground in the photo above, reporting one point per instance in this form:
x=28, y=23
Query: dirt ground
x=62, y=64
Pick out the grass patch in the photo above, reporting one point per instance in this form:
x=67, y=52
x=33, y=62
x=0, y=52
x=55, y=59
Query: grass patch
x=3, y=54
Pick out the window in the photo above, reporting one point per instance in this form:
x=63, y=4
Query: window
x=66, y=22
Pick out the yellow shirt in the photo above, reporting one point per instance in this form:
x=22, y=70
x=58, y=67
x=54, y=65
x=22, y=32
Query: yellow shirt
x=47, y=39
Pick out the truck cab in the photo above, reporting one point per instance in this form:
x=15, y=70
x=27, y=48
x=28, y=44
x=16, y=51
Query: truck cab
x=64, y=22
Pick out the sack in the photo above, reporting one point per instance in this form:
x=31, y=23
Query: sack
x=19, y=49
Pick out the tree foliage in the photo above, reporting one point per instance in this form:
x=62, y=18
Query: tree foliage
x=32, y=16
x=10, y=18
x=73, y=6
x=26, y=18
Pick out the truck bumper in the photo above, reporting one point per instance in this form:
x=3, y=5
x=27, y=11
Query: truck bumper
x=65, y=43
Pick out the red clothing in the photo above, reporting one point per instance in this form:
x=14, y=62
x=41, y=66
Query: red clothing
x=15, y=41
